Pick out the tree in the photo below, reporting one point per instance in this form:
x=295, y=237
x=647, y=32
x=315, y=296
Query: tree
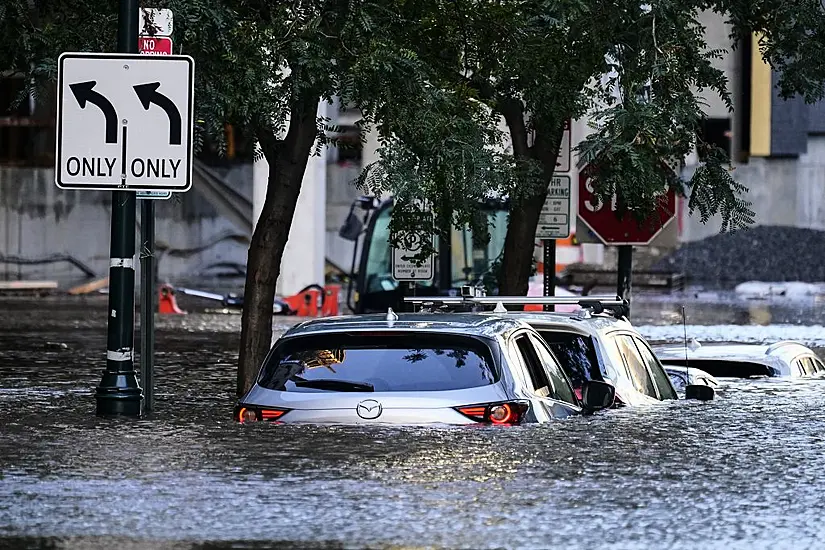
x=263, y=67
x=636, y=69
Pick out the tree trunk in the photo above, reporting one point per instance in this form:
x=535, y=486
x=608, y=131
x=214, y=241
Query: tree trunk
x=525, y=210
x=287, y=163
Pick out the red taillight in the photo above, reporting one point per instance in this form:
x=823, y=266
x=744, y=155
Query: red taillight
x=271, y=414
x=246, y=415
x=511, y=412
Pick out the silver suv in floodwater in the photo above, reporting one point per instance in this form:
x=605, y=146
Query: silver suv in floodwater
x=415, y=369
x=782, y=359
x=595, y=343
x=604, y=348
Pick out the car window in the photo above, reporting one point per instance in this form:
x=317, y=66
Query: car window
x=799, y=366
x=660, y=377
x=635, y=365
x=576, y=354
x=807, y=366
x=561, y=387
x=391, y=362
x=679, y=381
x=541, y=384
x=820, y=366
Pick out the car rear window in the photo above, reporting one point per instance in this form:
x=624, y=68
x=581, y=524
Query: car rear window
x=384, y=362
x=576, y=355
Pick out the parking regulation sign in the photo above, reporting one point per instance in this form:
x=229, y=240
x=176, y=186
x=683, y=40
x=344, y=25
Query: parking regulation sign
x=405, y=263
x=554, y=220
x=124, y=122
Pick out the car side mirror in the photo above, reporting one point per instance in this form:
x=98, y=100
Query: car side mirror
x=597, y=395
x=699, y=392
x=352, y=227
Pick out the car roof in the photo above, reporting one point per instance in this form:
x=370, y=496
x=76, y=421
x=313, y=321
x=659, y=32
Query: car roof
x=468, y=324
x=785, y=350
x=581, y=322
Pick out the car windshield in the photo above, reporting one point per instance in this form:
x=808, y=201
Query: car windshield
x=576, y=355
x=383, y=362
x=469, y=260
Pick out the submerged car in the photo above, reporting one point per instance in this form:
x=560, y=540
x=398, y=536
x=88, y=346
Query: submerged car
x=415, y=369
x=685, y=376
x=595, y=343
x=782, y=359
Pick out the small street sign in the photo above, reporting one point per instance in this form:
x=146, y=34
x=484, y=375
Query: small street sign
x=124, y=122
x=154, y=195
x=563, y=161
x=154, y=22
x=554, y=220
x=155, y=45
x=405, y=265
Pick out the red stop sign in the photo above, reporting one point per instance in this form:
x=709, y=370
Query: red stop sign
x=155, y=45
x=604, y=221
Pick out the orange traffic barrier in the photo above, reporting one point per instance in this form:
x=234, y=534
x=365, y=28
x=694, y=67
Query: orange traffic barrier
x=568, y=251
x=167, y=302
x=306, y=303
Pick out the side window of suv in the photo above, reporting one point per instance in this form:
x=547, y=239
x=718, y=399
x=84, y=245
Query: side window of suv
x=636, y=366
x=530, y=358
x=561, y=387
x=660, y=377
x=820, y=367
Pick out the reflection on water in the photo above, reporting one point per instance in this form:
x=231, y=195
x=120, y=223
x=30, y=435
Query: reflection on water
x=743, y=471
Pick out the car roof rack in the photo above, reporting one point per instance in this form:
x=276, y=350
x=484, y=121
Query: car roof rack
x=475, y=299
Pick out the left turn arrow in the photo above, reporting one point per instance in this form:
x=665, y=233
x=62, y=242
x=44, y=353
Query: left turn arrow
x=83, y=92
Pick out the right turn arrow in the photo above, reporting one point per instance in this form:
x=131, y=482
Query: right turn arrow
x=148, y=94
x=83, y=92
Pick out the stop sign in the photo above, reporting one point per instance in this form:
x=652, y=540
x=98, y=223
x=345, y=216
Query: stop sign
x=613, y=230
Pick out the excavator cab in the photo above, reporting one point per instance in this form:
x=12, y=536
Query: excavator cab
x=372, y=289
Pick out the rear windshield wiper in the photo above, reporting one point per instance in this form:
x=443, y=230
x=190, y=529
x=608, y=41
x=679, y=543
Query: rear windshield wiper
x=333, y=385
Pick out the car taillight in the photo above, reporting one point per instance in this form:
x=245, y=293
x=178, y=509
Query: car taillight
x=245, y=415
x=510, y=412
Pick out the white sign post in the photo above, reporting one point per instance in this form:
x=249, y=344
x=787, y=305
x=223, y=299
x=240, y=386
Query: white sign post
x=124, y=122
x=554, y=221
x=405, y=264
x=563, y=160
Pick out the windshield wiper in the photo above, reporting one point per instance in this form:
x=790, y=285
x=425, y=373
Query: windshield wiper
x=333, y=385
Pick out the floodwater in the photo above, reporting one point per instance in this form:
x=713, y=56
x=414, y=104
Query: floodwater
x=743, y=471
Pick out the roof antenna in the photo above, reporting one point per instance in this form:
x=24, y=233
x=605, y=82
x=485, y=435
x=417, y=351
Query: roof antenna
x=684, y=328
x=500, y=308
x=391, y=315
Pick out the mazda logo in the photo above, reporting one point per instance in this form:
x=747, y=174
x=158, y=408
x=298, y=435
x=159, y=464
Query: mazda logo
x=369, y=409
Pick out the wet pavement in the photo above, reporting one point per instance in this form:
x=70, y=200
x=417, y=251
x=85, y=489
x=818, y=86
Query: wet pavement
x=743, y=471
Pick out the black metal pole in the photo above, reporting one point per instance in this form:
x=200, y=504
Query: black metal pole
x=118, y=392
x=625, y=270
x=445, y=262
x=147, y=302
x=549, y=246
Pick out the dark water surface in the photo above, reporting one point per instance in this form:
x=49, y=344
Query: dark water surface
x=744, y=471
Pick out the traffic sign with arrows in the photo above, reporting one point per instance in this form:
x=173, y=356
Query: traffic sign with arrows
x=124, y=122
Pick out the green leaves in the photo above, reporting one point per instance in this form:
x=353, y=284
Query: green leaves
x=434, y=77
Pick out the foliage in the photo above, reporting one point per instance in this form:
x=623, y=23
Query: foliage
x=639, y=71
x=435, y=76
x=436, y=158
